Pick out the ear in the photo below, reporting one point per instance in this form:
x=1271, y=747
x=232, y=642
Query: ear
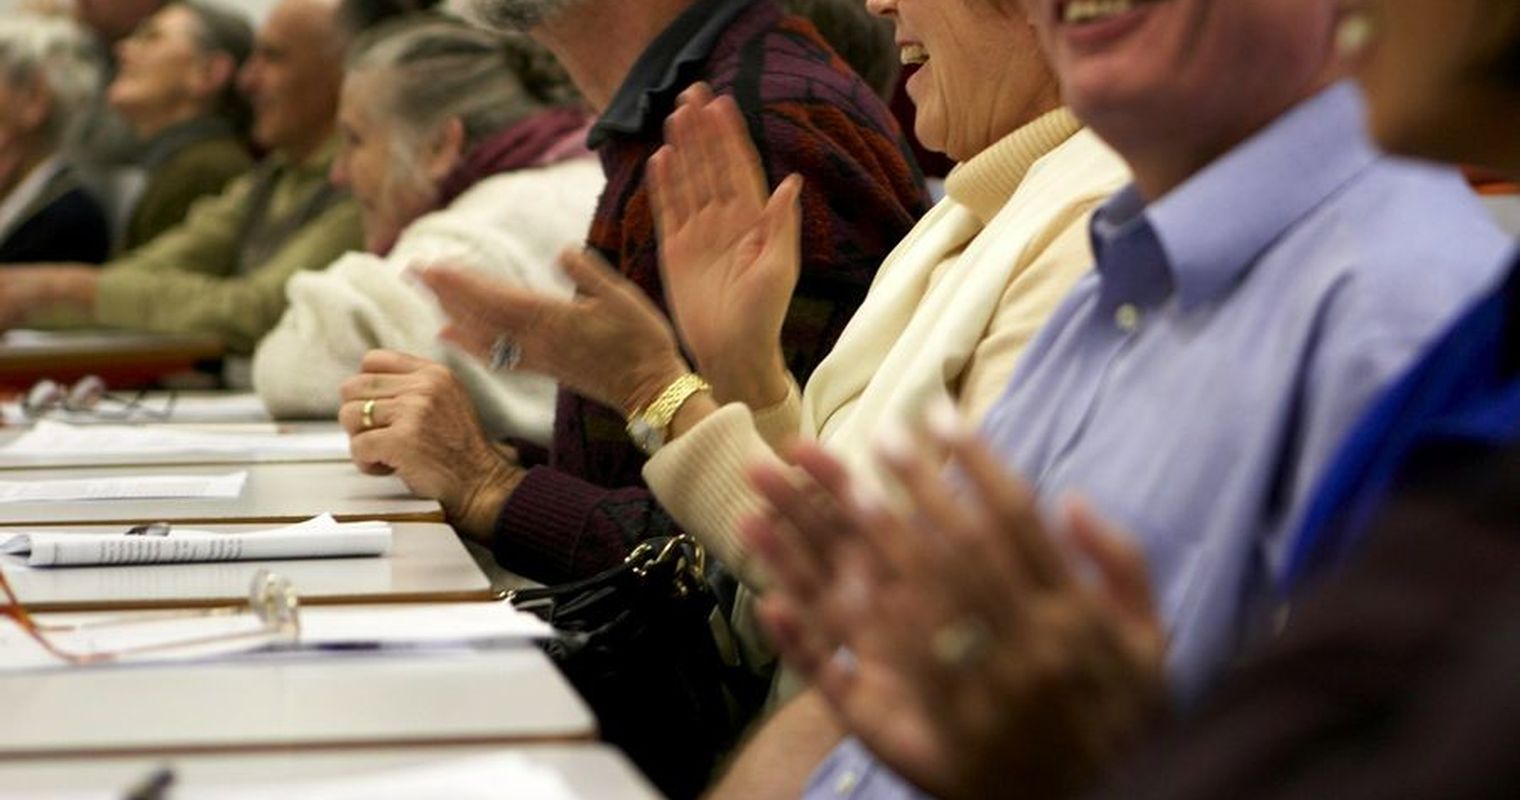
x=217, y=71
x=446, y=150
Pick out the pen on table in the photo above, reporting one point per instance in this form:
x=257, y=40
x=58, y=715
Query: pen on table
x=153, y=787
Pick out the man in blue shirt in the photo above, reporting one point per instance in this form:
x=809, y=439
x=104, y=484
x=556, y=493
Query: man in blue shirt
x=1266, y=276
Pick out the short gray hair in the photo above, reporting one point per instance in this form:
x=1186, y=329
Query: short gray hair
x=439, y=69
x=62, y=57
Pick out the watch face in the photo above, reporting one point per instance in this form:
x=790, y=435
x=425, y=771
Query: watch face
x=645, y=436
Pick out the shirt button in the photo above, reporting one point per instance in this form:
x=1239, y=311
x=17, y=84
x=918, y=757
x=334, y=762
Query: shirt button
x=1127, y=317
x=846, y=783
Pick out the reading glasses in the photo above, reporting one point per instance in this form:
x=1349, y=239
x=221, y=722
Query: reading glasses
x=272, y=601
x=89, y=396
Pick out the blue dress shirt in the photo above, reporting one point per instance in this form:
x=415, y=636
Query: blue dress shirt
x=1193, y=387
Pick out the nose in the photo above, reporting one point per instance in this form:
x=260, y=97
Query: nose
x=882, y=8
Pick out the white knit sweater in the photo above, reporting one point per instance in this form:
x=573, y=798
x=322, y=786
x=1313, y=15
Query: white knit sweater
x=948, y=315
x=511, y=226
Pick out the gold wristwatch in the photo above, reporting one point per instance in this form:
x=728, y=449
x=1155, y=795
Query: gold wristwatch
x=649, y=426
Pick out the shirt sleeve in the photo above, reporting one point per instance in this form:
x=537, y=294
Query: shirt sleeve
x=852, y=773
x=182, y=282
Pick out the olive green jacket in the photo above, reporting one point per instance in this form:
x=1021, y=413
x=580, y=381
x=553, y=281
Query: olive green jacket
x=223, y=270
x=191, y=161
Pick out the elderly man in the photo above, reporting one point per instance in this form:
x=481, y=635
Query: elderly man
x=1266, y=276
x=223, y=271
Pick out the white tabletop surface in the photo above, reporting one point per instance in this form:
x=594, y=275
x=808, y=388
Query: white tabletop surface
x=427, y=562
x=592, y=771
x=511, y=694
x=274, y=493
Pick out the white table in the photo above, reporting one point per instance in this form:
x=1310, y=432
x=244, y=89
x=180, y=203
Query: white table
x=275, y=493
x=508, y=695
x=593, y=772
x=427, y=563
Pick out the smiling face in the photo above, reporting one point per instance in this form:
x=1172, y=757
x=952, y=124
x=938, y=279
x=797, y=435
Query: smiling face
x=1173, y=84
x=980, y=73
x=1440, y=76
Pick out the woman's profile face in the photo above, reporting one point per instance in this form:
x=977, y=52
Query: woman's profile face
x=1431, y=70
x=162, y=71
x=393, y=184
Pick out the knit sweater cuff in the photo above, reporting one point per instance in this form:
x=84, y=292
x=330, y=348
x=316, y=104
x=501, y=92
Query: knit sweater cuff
x=778, y=424
x=700, y=480
x=538, y=530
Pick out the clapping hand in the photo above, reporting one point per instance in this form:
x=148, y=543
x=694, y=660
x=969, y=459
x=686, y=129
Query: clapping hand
x=609, y=343
x=959, y=642
x=729, y=248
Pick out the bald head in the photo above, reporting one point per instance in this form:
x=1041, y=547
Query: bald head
x=294, y=75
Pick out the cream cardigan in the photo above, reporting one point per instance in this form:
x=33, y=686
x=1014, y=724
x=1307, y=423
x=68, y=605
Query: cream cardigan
x=949, y=313
x=511, y=226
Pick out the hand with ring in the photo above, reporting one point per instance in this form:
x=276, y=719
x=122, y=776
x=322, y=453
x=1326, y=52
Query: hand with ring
x=411, y=417
x=958, y=642
x=610, y=343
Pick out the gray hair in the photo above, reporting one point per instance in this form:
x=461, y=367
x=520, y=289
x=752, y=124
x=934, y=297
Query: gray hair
x=508, y=15
x=221, y=31
x=438, y=69
x=59, y=55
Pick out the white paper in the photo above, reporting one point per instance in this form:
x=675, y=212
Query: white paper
x=433, y=628
x=489, y=777
x=138, y=487
x=57, y=439
x=322, y=537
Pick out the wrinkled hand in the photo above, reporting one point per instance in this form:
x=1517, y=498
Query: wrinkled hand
x=426, y=432
x=609, y=343
x=729, y=249
x=960, y=646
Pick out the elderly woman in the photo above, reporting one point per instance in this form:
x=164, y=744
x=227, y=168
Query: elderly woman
x=48, y=75
x=176, y=85
x=948, y=315
x=459, y=147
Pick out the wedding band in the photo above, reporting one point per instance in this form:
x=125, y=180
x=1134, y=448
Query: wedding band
x=367, y=414
x=961, y=643
x=505, y=354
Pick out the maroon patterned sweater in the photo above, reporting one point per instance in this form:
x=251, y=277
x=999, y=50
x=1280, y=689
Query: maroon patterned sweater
x=586, y=506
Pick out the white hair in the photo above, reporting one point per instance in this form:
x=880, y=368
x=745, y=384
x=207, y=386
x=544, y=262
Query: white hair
x=60, y=56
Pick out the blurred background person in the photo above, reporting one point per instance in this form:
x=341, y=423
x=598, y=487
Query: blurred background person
x=176, y=85
x=108, y=142
x=223, y=270
x=357, y=16
x=460, y=146
x=49, y=74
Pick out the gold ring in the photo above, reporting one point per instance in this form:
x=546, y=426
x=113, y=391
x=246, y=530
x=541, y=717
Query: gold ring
x=367, y=414
x=962, y=643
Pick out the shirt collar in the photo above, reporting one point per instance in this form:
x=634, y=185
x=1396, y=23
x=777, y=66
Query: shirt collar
x=175, y=138
x=1206, y=233
x=656, y=77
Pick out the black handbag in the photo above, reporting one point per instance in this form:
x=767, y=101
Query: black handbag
x=647, y=644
